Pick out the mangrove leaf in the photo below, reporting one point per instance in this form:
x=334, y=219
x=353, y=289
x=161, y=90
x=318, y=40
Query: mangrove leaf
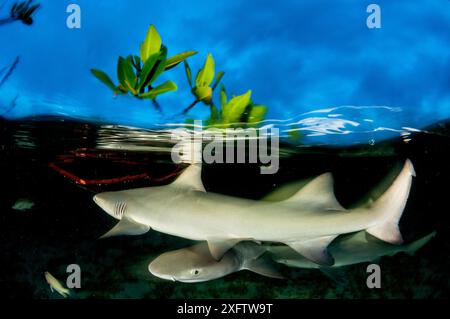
x=206, y=75
x=236, y=108
x=144, y=79
x=168, y=86
x=105, y=79
x=257, y=114
x=151, y=45
x=177, y=59
x=188, y=73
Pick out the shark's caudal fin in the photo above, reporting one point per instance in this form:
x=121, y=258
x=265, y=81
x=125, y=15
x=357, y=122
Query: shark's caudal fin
x=389, y=207
x=318, y=193
x=419, y=243
x=191, y=177
x=126, y=226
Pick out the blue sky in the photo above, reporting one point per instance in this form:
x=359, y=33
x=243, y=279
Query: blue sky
x=296, y=56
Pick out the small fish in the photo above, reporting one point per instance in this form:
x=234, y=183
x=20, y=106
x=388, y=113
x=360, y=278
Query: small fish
x=56, y=285
x=23, y=204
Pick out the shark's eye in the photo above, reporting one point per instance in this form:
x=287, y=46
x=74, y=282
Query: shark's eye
x=195, y=272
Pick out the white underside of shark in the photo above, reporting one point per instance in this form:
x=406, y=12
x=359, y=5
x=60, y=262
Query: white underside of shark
x=307, y=222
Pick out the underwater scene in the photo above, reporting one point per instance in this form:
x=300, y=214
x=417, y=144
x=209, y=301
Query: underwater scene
x=224, y=150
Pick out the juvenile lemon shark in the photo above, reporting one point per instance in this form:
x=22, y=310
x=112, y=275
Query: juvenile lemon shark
x=307, y=222
x=195, y=264
x=348, y=250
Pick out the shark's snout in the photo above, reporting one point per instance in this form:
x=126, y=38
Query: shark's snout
x=158, y=270
x=111, y=203
x=97, y=200
x=100, y=200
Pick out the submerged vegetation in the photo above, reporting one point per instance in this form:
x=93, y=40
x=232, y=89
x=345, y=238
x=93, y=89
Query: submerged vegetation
x=21, y=11
x=137, y=76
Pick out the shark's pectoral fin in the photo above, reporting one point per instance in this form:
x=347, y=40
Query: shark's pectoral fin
x=263, y=266
x=218, y=247
x=51, y=288
x=315, y=249
x=127, y=226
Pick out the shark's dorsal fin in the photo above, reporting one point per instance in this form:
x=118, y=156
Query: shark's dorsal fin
x=314, y=249
x=127, y=226
x=191, y=177
x=318, y=194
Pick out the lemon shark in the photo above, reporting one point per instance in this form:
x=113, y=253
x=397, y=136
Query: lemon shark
x=195, y=264
x=307, y=221
x=348, y=250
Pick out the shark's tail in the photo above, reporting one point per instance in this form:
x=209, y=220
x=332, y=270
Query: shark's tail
x=419, y=243
x=389, y=207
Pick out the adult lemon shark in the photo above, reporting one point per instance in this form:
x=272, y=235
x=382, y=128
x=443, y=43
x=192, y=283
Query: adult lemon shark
x=307, y=222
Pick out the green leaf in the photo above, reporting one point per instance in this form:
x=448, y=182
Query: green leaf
x=177, y=59
x=236, y=108
x=223, y=98
x=188, y=73
x=219, y=77
x=126, y=75
x=144, y=79
x=206, y=74
x=203, y=94
x=257, y=114
x=137, y=62
x=151, y=45
x=168, y=86
x=160, y=65
x=121, y=72
x=213, y=116
x=105, y=79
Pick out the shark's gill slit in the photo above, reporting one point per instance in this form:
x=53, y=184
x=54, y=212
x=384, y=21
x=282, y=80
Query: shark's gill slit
x=119, y=209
